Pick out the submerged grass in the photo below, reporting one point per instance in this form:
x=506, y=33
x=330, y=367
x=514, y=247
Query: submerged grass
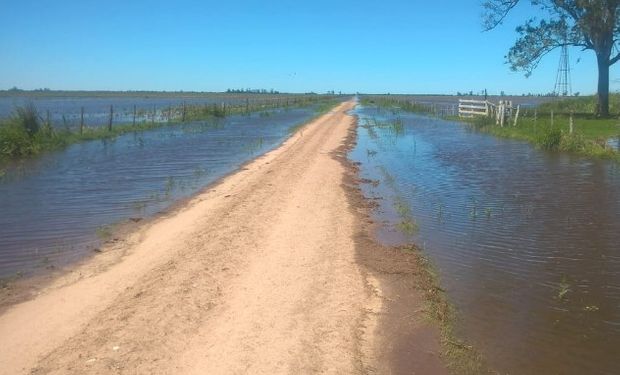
x=407, y=224
x=460, y=358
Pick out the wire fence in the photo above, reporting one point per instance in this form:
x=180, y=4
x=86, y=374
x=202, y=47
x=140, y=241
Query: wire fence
x=75, y=114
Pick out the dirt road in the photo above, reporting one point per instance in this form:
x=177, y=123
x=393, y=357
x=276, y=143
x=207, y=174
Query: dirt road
x=259, y=275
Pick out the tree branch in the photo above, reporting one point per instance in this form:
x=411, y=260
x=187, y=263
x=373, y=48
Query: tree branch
x=536, y=41
x=496, y=11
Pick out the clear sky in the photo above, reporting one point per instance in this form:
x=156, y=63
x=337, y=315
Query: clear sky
x=396, y=46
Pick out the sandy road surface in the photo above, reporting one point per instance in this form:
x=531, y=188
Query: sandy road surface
x=256, y=275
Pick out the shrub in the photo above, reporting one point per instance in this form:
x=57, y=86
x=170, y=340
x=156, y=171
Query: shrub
x=27, y=117
x=550, y=139
x=15, y=141
x=573, y=143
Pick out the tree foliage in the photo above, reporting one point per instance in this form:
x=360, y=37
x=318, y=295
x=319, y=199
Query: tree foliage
x=588, y=24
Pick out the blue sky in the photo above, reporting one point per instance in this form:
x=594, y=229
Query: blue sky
x=396, y=46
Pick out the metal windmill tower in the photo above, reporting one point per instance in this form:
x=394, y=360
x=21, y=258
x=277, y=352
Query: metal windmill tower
x=562, y=81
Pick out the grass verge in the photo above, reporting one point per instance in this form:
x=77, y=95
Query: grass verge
x=589, y=136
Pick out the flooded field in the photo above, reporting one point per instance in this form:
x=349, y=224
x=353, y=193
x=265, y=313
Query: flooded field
x=526, y=101
x=448, y=104
x=65, y=111
x=58, y=208
x=527, y=242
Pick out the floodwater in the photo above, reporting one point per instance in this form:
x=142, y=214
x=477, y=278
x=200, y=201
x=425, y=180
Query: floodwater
x=450, y=100
x=66, y=111
x=57, y=208
x=527, y=242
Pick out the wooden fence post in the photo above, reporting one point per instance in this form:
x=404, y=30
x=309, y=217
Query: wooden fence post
x=570, y=123
x=134, y=116
x=498, y=107
x=111, y=116
x=551, y=118
x=502, y=115
x=81, y=120
x=517, y=115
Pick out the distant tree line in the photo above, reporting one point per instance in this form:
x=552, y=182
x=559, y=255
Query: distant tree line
x=252, y=91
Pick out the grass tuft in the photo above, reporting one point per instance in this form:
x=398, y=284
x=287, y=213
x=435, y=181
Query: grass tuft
x=461, y=358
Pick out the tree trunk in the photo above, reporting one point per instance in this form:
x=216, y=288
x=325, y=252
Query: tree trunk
x=602, y=107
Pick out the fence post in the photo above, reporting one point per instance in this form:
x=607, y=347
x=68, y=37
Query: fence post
x=502, y=113
x=134, y=116
x=551, y=118
x=497, y=109
x=570, y=123
x=48, y=121
x=517, y=115
x=111, y=116
x=81, y=120
x=153, y=117
x=183, y=113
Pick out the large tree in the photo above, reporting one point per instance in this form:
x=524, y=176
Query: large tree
x=588, y=24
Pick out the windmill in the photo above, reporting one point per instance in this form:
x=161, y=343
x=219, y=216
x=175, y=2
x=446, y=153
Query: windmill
x=562, y=80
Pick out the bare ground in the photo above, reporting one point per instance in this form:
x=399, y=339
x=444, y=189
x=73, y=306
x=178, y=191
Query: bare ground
x=273, y=270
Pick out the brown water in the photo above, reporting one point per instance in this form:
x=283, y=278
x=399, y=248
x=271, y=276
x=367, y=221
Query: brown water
x=527, y=242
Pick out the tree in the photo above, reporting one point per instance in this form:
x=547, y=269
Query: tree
x=588, y=24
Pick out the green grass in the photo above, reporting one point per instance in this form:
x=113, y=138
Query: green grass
x=589, y=137
x=17, y=142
